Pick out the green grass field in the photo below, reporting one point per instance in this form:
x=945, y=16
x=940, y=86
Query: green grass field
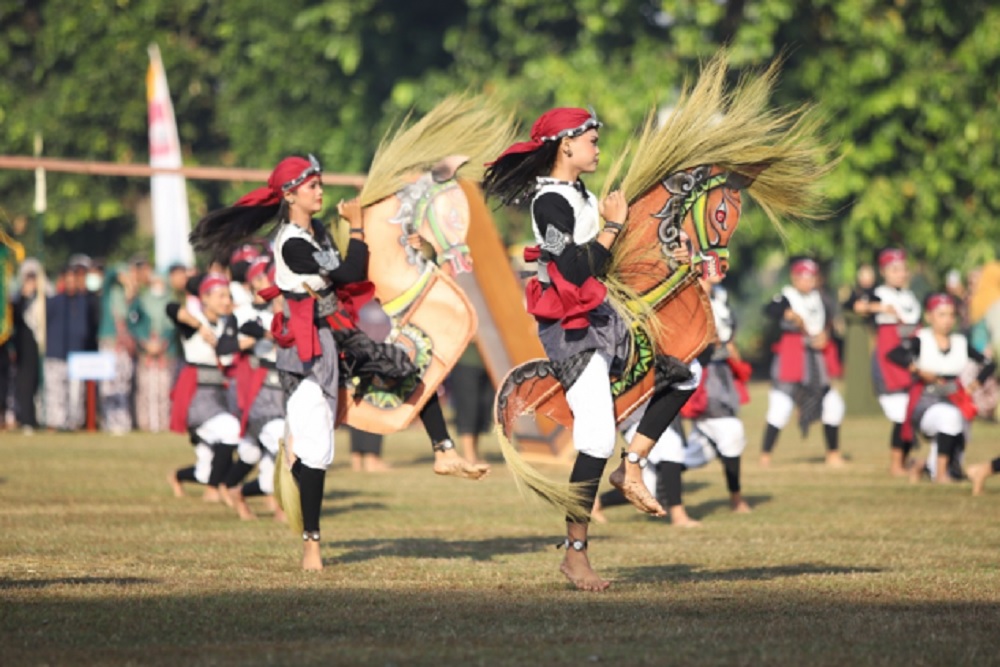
x=99, y=564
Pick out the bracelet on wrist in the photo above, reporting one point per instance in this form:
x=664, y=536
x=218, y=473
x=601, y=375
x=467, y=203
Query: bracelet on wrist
x=614, y=227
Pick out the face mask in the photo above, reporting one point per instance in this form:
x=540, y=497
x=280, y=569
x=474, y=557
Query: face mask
x=93, y=282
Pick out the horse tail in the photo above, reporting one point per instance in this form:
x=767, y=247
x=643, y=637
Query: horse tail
x=509, y=405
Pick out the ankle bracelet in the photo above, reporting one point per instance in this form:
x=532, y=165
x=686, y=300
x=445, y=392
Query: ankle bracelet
x=308, y=536
x=443, y=446
x=633, y=457
x=575, y=545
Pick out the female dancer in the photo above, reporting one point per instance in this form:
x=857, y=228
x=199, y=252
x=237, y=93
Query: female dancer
x=938, y=405
x=897, y=313
x=575, y=322
x=323, y=290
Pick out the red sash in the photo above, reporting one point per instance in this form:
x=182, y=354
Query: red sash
x=741, y=377
x=562, y=300
x=895, y=378
x=791, y=351
x=249, y=381
x=180, y=398
x=698, y=402
x=959, y=398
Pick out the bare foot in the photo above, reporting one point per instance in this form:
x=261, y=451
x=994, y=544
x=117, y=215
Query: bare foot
x=211, y=495
x=228, y=496
x=597, y=513
x=765, y=460
x=978, y=474
x=242, y=509
x=272, y=504
x=898, y=471
x=635, y=491
x=311, y=559
x=449, y=462
x=679, y=518
x=576, y=567
x=376, y=464
x=739, y=506
x=835, y=460
x=917, y=471
x=175, y=486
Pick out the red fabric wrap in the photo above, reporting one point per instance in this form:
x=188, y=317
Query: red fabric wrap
x=258, y=267
x=270, y=293
x=894, y=377
x=937, y=300
x=245, y=253
x=805, y=267
x=890, y=255
x=563, y=301
x=181, y=395
x=548, y=125
x=696, y=405
x=302, y=332
x=270, y=195
x=354, y=296
x=249, y=381
x=791, y=351
x=211, y=281
x=532, y=253
x=742, y=371
x=960, y=398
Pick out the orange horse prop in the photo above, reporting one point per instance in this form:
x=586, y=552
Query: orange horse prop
x=430, y=314
x=687, y=176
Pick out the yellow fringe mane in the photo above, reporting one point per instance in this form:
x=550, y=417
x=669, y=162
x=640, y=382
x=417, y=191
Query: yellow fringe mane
x=459, y=125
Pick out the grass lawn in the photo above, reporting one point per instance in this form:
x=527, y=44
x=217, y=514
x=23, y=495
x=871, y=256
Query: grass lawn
x=99, y=564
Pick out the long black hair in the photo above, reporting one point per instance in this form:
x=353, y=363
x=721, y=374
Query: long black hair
x=222, y=230
x=511, y=179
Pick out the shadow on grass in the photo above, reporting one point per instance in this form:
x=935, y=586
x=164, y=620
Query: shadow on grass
x=14, y=584
x=674, y=573
x=353, y=507
x=477, y=550
x=709, y=507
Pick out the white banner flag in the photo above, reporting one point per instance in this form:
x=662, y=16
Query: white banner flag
x=171, y=219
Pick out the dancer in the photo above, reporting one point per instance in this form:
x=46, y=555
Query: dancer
x=896, y=311
x=576, y=324
x=259, y=397
x=939, y=405
x=805, y=361
x=199, y=404
x=323, y=288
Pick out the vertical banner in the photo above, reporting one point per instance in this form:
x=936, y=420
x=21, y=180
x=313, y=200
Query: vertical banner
x=171, y=219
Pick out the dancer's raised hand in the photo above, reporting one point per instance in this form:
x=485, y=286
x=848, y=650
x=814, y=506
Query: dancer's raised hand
x=614, y=208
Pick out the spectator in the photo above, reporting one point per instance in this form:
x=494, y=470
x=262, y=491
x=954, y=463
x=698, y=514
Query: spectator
x=29, y=338
x=154, y=336
x=114, y=338
x=68, y=329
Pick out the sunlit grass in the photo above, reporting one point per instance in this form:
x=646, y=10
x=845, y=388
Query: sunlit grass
x=99, y=564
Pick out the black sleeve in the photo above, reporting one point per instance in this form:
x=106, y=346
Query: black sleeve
x=253, y=329
x=354, y=267
x=229, y=342
x=777, y=307
x=184, y=330
x=298, y=255
x=905, y=353
x=576, y=263
x=987, y=367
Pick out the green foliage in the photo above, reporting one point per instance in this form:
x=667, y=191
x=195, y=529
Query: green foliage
x=910, y=90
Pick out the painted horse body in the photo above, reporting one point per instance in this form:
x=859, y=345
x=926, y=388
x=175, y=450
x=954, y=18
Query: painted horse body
x=674, y=314
x=430, y=315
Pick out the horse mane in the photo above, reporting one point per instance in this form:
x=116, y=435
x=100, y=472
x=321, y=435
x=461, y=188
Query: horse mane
x=459, y=125
x=733, y=127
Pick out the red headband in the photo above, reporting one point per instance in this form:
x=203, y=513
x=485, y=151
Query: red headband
x=805, y=267
x=246, y=253
x=258, y=267
x=288, y=176
x=211, y=281
x=890, y=255
x=935, y=301
x=552, y=126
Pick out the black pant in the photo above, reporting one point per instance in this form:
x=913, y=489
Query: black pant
x=26, y=379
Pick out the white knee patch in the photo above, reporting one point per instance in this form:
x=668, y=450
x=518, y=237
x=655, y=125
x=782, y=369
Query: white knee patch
x=942, y=418
x=310, y=424
x=248, y=452
x=833, y=408
x=265, y=475
x=271, y=434
x=593, y=410
x=221, y=429
x=779, y=408
x=727, y=433
x=202, y=462
x=894, y=406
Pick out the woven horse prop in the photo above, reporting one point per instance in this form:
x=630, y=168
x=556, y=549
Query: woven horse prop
x=418, y=185
x=686, y=176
